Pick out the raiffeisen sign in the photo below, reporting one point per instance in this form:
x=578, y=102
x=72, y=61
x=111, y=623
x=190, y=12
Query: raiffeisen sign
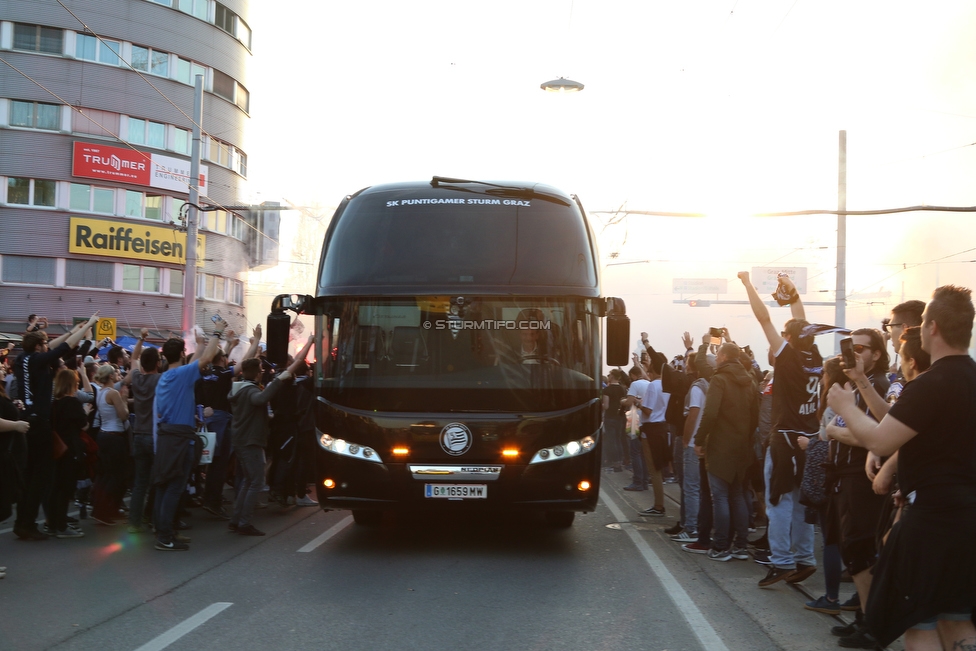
x=119, y=165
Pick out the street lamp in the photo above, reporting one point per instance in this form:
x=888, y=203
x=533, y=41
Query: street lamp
x=562, y=85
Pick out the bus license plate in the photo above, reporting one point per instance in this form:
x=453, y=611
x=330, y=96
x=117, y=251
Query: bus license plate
x=457, y=491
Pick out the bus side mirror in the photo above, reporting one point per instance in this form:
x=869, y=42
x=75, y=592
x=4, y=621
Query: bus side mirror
x=279, y=325
x=618, y=333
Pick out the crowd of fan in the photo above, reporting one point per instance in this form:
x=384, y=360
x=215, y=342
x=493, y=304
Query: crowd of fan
x=817, y=443
x=86, y=423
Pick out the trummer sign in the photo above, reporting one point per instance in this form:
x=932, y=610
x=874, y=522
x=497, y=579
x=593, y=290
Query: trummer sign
x=132, y=241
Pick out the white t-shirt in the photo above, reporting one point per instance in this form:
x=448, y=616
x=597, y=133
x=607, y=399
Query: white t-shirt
x=656, y=400
x=638, y=389
x=696, y=398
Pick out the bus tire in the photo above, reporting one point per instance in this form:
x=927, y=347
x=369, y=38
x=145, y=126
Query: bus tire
x=367, y=518
x=560, y=519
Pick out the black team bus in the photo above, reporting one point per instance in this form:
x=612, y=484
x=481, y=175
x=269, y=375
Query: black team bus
x=458, y=354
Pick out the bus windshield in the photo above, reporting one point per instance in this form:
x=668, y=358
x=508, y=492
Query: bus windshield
x=460, y=353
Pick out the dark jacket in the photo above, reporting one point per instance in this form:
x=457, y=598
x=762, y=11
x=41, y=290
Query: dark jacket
x=250, y=424
x=728, y=422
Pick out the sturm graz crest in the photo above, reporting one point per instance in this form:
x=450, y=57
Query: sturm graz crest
x=456, y=439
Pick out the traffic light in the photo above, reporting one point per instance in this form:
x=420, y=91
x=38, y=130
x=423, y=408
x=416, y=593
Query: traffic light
x=698, y=303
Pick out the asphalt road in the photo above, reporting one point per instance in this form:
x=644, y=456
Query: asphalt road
x=318, y=581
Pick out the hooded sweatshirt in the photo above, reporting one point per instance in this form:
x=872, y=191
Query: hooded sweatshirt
x=250, y=423
x=728, y=422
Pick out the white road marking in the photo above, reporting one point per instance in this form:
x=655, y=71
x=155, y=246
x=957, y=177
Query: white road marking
x=184, y=627
x=693, y=615
x=336, y=528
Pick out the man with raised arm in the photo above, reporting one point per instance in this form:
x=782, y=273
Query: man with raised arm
x=798, y=367
x=175, y=410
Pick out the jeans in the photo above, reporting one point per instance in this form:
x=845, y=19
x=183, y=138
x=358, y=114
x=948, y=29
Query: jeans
x=613, y=441
x=705, y=514
x=251, y=462
x=637, y=462
x=790, y=537
x=678, y=463
x=168, y=498
x=142, y=457
x=729, y=499
x=217, y=472
x=690, y=488
x=109, y=489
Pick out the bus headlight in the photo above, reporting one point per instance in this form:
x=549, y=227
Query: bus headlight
x=347, y=449
x=565, y=450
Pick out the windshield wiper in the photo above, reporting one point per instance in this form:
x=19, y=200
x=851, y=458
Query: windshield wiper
x=501, y=190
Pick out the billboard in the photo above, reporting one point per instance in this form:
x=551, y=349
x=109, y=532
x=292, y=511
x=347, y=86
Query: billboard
x=130, y=240
x=765, y=278
x=120, y=165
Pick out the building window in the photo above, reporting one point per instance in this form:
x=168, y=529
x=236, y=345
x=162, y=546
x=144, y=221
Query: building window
x=241, y=163
x=236, y=227
x=28, y=269
x=243, y=33
x=175, y=282
x=223, y=85
x=146, y=132
x=35, y=115
x=30, y=192
x=187, y=71
x=211, y=287
x=146, y=206
x=236, y=293
x=97, y=123
x=92, y=199
x=176, y=213
x=151, y=61
x=140, y=279
x=224, y=19
x=182, y=141
x=196, y=8
x=90, y=48
x=243, y=99
x=219, y=153
x=35, y=38
x=85, y=273
x=166, y=3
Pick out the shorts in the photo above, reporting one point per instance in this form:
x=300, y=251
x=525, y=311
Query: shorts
x=852, y=520
x=930, y=623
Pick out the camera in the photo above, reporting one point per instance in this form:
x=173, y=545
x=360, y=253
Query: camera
x=215, y=318
x=716, y=335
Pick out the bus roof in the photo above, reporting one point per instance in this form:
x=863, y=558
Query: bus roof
x=451, y=236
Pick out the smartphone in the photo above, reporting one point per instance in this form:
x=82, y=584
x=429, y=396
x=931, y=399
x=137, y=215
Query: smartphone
x=716, y=335
x=847, y=353
x=215, y=318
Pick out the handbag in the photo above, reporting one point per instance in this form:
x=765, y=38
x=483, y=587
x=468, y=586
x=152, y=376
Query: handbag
x=59, y=447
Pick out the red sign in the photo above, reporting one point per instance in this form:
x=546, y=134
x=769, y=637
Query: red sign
x=106, y=163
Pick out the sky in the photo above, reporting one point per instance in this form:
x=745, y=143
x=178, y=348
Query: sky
x=727, y=108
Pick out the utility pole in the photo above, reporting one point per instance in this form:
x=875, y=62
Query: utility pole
x=840, y=308
x=190, y=270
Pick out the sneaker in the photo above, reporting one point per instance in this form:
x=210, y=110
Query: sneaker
x=685, y=537
x=696, y=548
x=180, y=538
x=108, y=522
x=761, y=557
x=760, y=543
x=217, y=511
x=172, y=546
x=670, y=480
x=802, y=573
x=859, y=639
x=249, y=530
x=68, y=532
x=47, y=530
x=752, y=530
x=675, y=530
x=635, y=487
x=775, y=575
x=653, y=512
x=717, y=555
x=29, y=533
x=739, y=554
x=853, y=604
x=305, y=500
x=845, y=631
x=823, y=605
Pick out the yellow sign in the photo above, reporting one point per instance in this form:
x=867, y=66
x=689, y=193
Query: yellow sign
x=105, y=328
x=131, y=240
